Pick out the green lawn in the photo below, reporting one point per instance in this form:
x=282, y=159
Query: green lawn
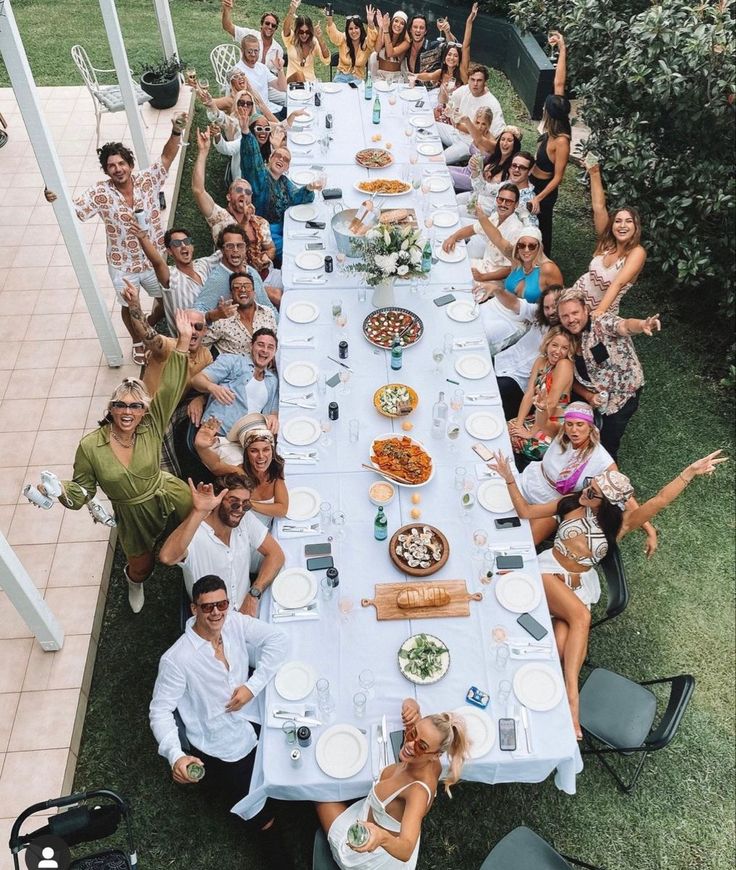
x=681, y=616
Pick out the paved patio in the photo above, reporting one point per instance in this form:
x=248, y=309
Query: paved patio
x=54, y=385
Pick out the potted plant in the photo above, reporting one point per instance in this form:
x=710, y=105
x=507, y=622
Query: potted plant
x=161, y=81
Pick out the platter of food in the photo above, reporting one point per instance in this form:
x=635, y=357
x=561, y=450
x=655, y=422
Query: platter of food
x=418, y=549
x=424, y=659
x=402, y=459
x=395, y=400
x=381, y=325
x=374, y=158
x=384, y=186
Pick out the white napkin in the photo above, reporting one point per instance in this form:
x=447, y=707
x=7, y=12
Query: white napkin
x=296, y=617
x=308, y=534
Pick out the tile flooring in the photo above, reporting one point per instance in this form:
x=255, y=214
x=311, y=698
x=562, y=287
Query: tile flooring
x=54, y=384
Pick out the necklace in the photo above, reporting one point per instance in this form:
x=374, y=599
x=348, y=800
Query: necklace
x=120, y=440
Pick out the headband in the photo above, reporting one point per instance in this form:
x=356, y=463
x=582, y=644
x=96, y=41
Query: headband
x=616, y=487
x=530, y=232
x=400, y=14
x=579, y=411
x=257, y=435
x=510, y=128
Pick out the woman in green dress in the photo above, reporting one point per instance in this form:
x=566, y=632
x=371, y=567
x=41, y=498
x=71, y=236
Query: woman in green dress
x=122, y=458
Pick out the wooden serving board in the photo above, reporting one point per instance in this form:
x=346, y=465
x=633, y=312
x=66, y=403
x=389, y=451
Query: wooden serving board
x=387, y=608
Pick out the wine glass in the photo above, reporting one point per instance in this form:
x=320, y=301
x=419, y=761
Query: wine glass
x=453, y=433
x=412, y=77
x=457, y=400
x=426, y=185
x=191, y=76
x=341, y=321
x=438, y=354
x=392, y=98
x=366, y=680
x=326, y=426
x=467, y=501
x=480, y=538
x=340, y=257
x=413, y=157
x=429, y=223
x=346, y=606
x=204, y=84
x=344, y=381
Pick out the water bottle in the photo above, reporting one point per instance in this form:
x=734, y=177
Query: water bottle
x=439, y=417
x=380, y=526
x=368, y=86
x=377, y=110
x=397, y=353
x=427, y=257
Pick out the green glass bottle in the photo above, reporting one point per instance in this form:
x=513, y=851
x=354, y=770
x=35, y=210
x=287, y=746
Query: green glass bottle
x=368, y=86
x=397, y=352
x=377, y=110
x=380, y=526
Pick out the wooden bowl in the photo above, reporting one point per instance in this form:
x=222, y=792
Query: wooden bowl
x=413, y=398
x=418, y=572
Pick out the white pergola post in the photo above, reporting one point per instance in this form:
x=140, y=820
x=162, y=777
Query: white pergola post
x=166, y=28
x=27, y=600
x=24, y=88
x=120, y=62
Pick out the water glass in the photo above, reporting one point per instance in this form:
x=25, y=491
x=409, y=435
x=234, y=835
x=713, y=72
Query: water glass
x=288, y=729
x=453, y=433
x=336, y=307
x=325, y=514
x=460, y=475
x=327, y=711
x=438, y=354
x=480, y=538
x=322, y=384
x=467, y=502
x=504, y=692
x=338, y=520
x=502, y=656
x=326, y=588
x=499, y=633
x=359, y=702
x=367, y=680
x=447, y=343
x=362, y=293
x=323, y=688
x=344, y=381
x=488, y=567
x=354, y=431
x=325, y=425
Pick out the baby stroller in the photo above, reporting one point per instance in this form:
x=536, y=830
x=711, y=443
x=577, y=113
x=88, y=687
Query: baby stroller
x=83, y=823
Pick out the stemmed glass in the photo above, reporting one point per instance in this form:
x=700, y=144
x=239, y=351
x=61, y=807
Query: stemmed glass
x=367, y=680
x=453, y=433
x=341, y=319
x=344, y=381
x=191, y=76
x=319, y=182
x=429, y=224
x=480, y=538
x=336, y=308
x=438, y=354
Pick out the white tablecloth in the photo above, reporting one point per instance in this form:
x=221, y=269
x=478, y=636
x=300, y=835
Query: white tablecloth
x=348, y=638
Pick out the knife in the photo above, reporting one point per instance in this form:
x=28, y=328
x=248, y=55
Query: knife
x=344, y=365
x=288, y=611
x=384, y=734
x=300, y=720
x=527, y=733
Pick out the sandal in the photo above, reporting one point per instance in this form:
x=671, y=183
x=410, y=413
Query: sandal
x=139, y=353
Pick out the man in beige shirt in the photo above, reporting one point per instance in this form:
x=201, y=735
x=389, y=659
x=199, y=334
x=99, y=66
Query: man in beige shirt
x=233, y=334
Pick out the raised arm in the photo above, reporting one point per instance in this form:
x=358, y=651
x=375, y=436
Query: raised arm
x=636, y=326
x=204, y=501
x=203, y=444
x=598, y=200
x=333, y=34
x=160, y=267
x=141, y=328
x=204, y=201
x=286, y=27
x=494, y=234
x=227, y=17
x=467, y=36
x=171, y=148
x=522, y=507
x=556, y=38
x=325, y=55
x=401, y=845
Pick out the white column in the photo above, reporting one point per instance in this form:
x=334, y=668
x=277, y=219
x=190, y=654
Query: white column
x=166, y=28
x=120, y=61
x=26, y=598
x=24, y=88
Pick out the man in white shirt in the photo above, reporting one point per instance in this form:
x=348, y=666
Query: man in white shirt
x=464, y=103
x=205, y=677
x=220, y=536
x=270, y=54
x=260, y=77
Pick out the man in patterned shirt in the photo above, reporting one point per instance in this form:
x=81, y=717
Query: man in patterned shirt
x=123, y=200
x=233, y=334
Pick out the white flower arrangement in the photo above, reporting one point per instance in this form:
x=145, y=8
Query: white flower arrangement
x=390, y=252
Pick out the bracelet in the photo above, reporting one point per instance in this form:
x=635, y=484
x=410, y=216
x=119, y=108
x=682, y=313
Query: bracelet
x=511, y=482
x=175, y=132
x=687, y=482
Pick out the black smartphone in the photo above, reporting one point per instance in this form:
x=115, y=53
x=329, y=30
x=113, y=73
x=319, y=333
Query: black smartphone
x=315, y=225
x=509, y=563
x=419, y=104
x=507, y=735
x=333, y=381
x=482, y=451
x=321, y=563
x=332, y=193
x=507, y=523
x=397, y=741
x=162, y=200
x=531, y=626
x=444, y=300
x=353, y=86
x=315, y=246
x=318, y=549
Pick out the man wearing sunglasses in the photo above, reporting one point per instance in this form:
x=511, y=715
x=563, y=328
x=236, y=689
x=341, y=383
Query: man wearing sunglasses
x=260, y=78
x=270, y=52
x=205, y=676
x=221, y=536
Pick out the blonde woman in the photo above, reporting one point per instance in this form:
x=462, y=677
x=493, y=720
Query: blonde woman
x=403, y=795
x=482, y=145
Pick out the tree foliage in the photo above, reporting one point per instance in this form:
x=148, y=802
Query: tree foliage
x=657, y=81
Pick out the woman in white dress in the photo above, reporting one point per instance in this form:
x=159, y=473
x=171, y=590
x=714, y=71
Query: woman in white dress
x=393, y=810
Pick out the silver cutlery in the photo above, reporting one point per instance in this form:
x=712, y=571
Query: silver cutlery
x=310, y=406
x=296, y=341
x=300, y=720
x=344, y=365
x=294, y=611
x=309, y=528
x=319, y=279
x=312, y=235
x=527, y=728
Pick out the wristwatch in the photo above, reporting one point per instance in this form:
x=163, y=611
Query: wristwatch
x=255, y=592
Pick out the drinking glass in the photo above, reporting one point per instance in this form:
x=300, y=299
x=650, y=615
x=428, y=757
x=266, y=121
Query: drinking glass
x=392, y=98
x=336, y=308
x=322, y=383
x=453, y=433
x=325, y=425
x=502, y=656
x=413, y=157
x=346, y=606
x=457, y=399
x=488, y=567
x=325, y=514
x=344, y=381
x=204, y=84
x=359, y=702
x=438, y=354
x=504, y=691
x=426, y=187
x=467, y=502
x=480, y=538
x=354, y=431
x=408, y=131
x=460, y=474
x=288, y=729
x=327, y=710
x=367, y=680
x=323, y=688
x=416, y=179
x=340, y=257
x=326, y=588
x=448, y=342
x=362, y=293
x=341, y=321
x=338, y=520
x=499, y=634
x=414, y=284
x=191, y=76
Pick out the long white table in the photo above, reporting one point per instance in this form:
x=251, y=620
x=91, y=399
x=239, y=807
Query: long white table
x=347, y=637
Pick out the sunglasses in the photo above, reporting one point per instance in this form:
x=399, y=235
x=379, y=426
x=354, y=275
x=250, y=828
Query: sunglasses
x=588, y=490
x=198, y=327
x=234, y=246
x=127, y=406
x=245, y=191
x=504, y=200
x=304, y=31
x=221, y=605
x=420, y=747
x=520, y=166
x=235, y=504
x=527, y=246
x=261, y=129
x=242, y=103
x=178, y=243
x=353, y=18
x=269, y=24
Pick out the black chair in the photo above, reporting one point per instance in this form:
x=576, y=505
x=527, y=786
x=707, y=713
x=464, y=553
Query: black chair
x=618, y=589
x=321, y=855
x=522, y=849
x=619, y=714
x=334, y=60
x=185, y=607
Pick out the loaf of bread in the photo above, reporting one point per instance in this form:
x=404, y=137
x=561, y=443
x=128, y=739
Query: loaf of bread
x=394, y=216
x=423, y=596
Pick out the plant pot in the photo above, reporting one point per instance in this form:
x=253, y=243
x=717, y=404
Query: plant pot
x=383, y=294
x=164, y=94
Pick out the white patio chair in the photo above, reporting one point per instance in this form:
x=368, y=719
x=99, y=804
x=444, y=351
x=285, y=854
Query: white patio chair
x=223, y=58
x=106, y=98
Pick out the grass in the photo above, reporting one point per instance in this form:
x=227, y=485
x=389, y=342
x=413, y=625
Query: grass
x=681, y=616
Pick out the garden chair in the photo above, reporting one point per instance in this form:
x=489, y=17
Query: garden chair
x=619, y=714
x=618, y=590
x=522, y=849
x=223, y=58
x=106, y=98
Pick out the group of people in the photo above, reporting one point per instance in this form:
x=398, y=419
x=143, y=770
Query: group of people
x=206, y=407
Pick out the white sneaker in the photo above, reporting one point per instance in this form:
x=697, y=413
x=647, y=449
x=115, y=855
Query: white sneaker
x=136, y=596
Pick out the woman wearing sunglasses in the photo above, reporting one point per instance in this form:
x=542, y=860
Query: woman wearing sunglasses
x=122, y=458
x=403, y=795
x=454, y=62
x=590, y=522
x=303, y=42
x=354, y=45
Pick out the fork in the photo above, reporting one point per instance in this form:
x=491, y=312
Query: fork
x=311, y=527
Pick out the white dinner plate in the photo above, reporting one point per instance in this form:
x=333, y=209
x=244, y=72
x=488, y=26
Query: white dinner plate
x=341, y=751
x=301, y=374
x=383, y=87
x=304, y=503
x=304, y=119
x=330, y=88
x=481, y=730
x=456, y=255
x=462, y=311
x=302, y=137
x=411, y=95
x=438, y=183
x=293, y=588
x=310, y=260
x=493, y=495
x=429, y=149
x=472, y=366
x=538, y=687
x=302, y=312
x=302, y=177
x=301, y=431
x=295, y=680
x=303, y=213
x=422, y=121
x=517, y=592
x=445, y=218
x=300, y=95
x=484, y=425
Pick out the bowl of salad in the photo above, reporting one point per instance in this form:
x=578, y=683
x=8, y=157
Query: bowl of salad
x=395, y=400
x=423, y=659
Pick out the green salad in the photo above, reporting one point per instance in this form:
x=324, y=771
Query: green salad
x=425, y=658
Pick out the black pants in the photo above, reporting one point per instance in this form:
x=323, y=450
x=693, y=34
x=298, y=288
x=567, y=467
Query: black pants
x=511, y=396
x=613, y=426
x=546, y=208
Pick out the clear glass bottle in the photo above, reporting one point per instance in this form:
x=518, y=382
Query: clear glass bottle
x=368, y=86
x=377, y=110
x=439, y=417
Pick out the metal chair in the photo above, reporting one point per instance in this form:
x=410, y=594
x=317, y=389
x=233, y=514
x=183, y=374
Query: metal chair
x=522, y=849
x=620, y=714
x=223, y=58
x=321, y=855
x=106, y=98
x=618, y=590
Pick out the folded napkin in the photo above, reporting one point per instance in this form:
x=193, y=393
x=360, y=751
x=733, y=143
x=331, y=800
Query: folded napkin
x=468, y=343
x=299, y=711
x=483, y=472
x=319, y=280
x=298, y=615
x=307, y=533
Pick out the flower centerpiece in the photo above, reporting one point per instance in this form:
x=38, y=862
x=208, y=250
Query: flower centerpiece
x=389, y=252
